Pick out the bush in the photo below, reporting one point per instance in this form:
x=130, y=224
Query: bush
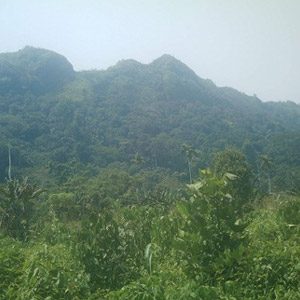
x=51, y=272
x=289, y=209
x=166, y=284
x=12, y=257
x=271, y=266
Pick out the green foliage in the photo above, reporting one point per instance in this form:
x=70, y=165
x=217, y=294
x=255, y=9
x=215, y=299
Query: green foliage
x=109, y=251
x=60, y=122
x=34, y=70
x=166, y=284
x=117, y=222
x=111, y=244
x=12, y=257
x=109, y=186
x=189, y=153
x=266, y=164
x=51, y=272
x=289, y=209
x=234, y=162
x=270, y=269
x=212, y=228
x=201, y=248
x=17, y=207
x=65, y=206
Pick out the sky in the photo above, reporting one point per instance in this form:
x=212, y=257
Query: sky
x=250, y=45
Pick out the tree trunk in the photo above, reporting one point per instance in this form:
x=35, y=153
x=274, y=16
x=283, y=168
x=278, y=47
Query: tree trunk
x=190, y=171
x=269, y=184
x=9, y=164
x=258, y=174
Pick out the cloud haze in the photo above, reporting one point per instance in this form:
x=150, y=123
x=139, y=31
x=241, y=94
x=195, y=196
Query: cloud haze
x=250, y=45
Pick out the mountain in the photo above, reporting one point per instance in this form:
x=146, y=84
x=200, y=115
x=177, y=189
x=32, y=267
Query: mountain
x=33, y=70
x=60, y=123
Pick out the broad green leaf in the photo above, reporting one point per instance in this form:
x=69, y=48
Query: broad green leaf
x=231, y=176
x=184, y=208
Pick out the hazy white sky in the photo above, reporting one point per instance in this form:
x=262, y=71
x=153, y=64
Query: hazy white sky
x=250, y=45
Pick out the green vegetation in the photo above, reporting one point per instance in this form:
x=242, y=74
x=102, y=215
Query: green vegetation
x=205, y=244
x=62, y=125
x=123, y=212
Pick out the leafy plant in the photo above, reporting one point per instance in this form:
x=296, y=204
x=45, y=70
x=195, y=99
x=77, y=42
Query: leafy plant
x=212, y=228
x=51, y=272
x=12, y=257
x=17, y=207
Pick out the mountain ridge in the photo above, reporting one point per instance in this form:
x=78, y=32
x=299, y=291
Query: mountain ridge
x=103, y=118
x=31, y=56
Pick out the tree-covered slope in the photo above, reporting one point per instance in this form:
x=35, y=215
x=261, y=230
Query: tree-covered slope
x=59, y=122
x=33, y=70
x=114, y=149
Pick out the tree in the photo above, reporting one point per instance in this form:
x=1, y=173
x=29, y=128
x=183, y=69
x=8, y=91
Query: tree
x=189, y=153
x=251, y=154
x=212, y=226
x=138, y=159
x=234, y=162
x=9, y=164
x=266, y=164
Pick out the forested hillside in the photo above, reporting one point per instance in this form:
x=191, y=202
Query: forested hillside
x=59, y=123
x=106, y=212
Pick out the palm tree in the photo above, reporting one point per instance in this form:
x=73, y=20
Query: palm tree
x=189, y=153
x=138, y=159
x=9, y=164
x=266, y=164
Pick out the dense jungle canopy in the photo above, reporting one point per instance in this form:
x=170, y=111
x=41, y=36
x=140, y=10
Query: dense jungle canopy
x=143, y=181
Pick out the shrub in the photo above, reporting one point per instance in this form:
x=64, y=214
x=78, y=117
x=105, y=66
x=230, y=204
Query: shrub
x=51, y=272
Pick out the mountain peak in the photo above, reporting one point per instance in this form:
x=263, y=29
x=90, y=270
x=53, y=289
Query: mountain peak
x=166, y=59
x=39, y=69
x=126, y=64
x=168, y=62
x=36, y=57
